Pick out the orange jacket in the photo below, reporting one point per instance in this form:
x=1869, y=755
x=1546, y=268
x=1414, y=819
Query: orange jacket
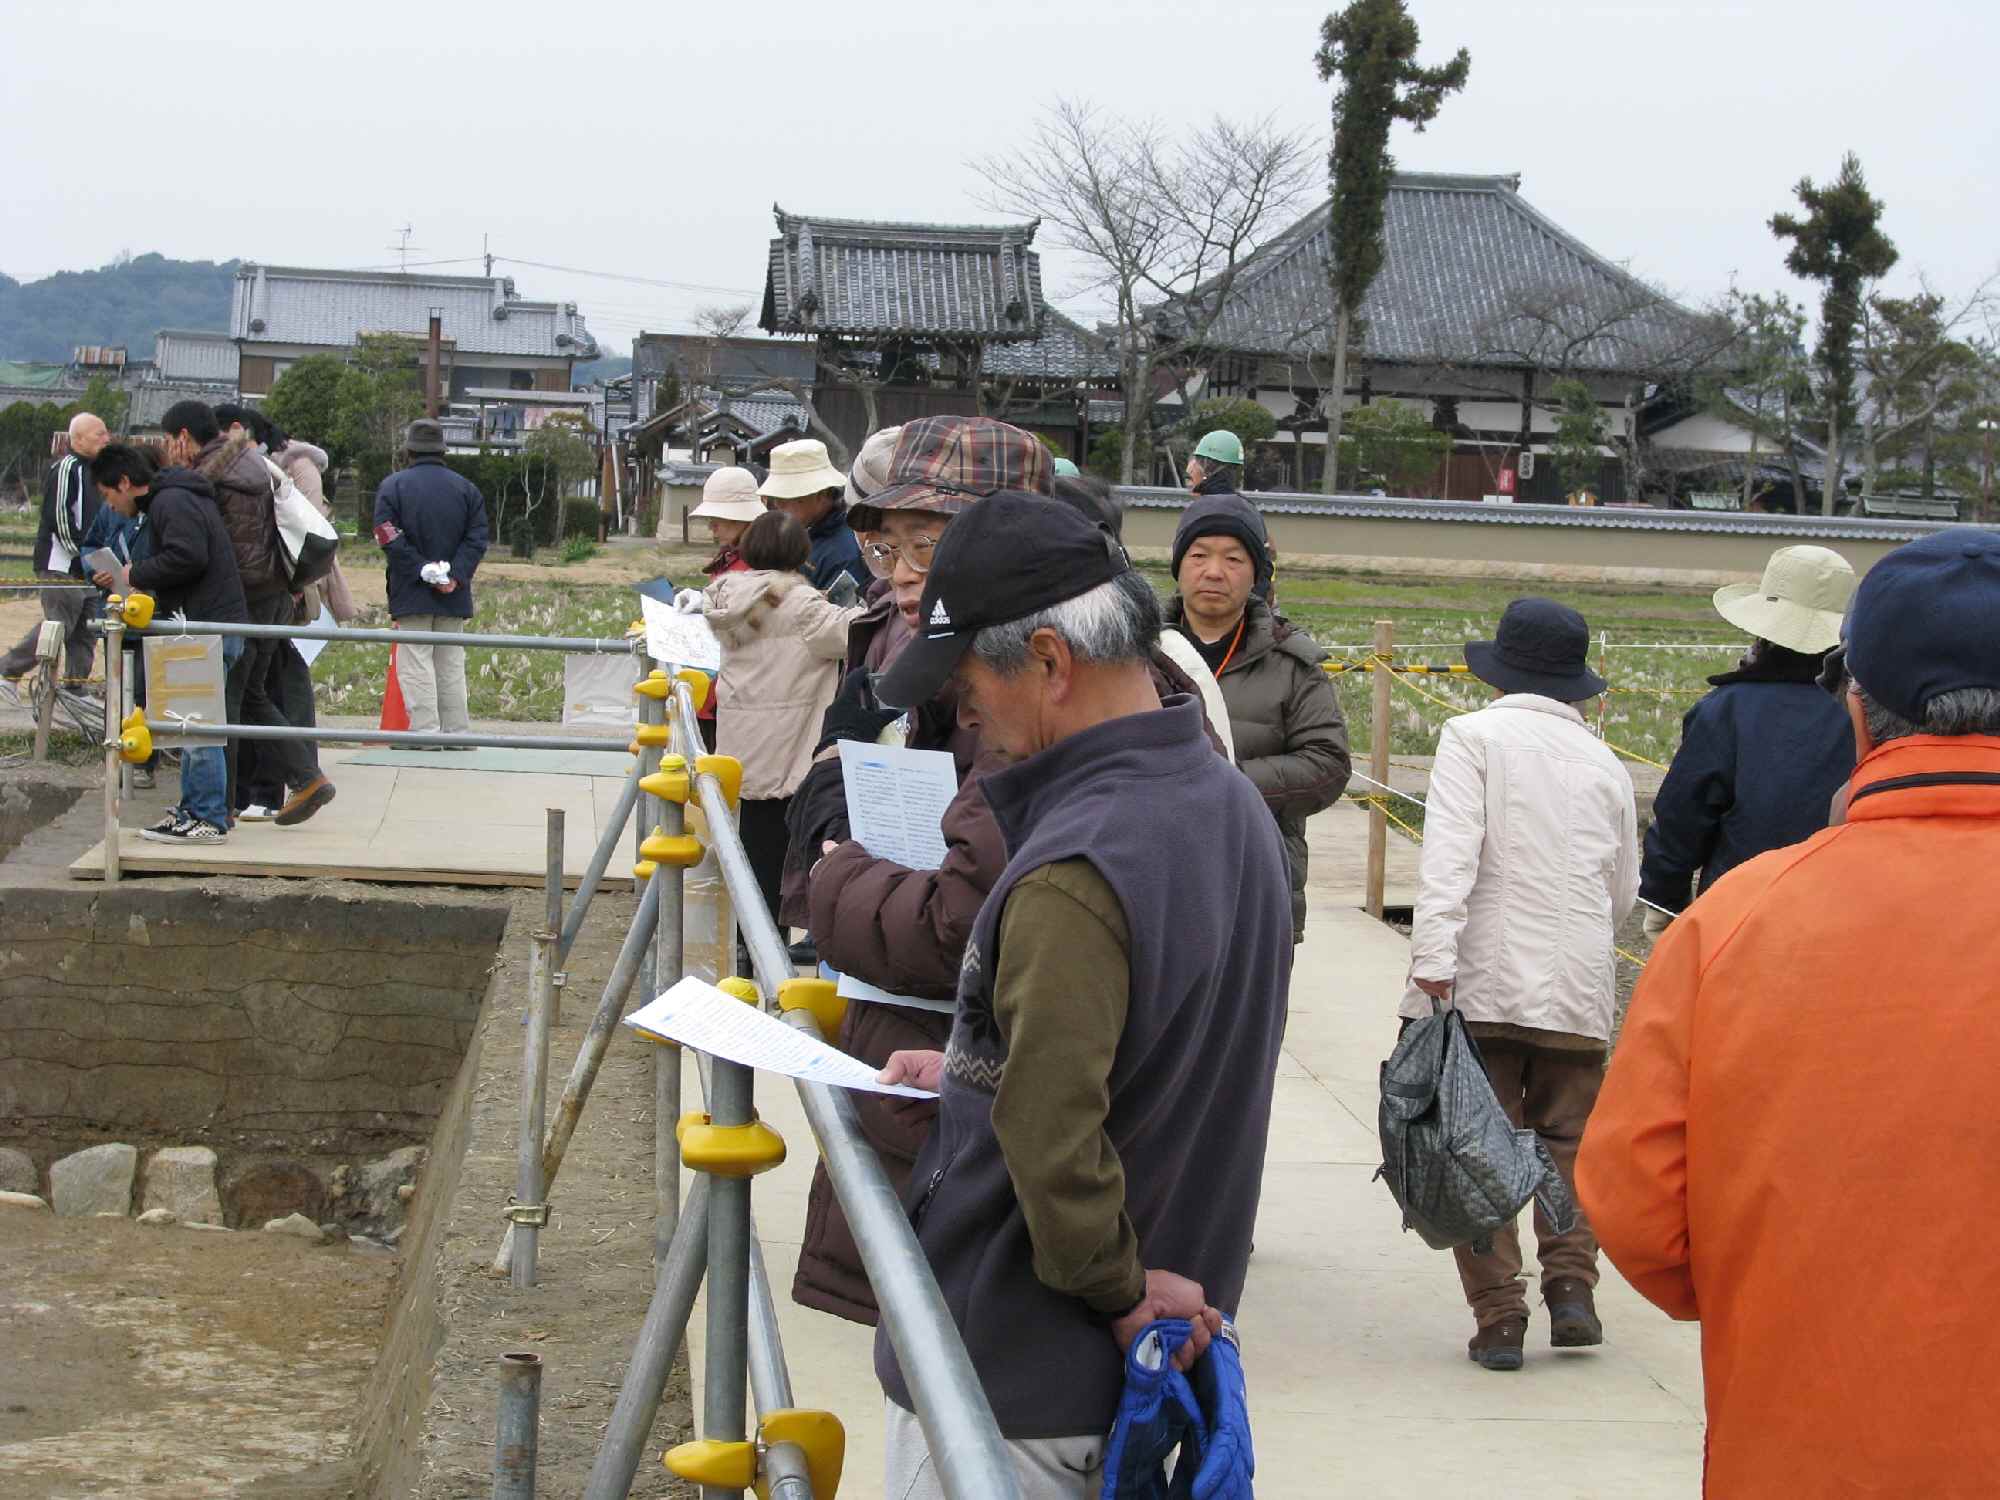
x=1798, y=1143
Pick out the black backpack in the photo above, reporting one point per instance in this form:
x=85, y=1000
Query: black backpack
x=1454, y=1163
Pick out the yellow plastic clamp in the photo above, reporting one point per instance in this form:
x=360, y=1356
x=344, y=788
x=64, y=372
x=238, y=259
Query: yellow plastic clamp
x=818, y=996
x=664, y=848
x=137, y=611
x=644, y=870
x=728, y=1150
x=714, y=1464
x=726, y=769
x=658, y=736
x=821, y=1437
x=743, y=989
x=655, y=686
x=698, y=685
x=135, y=740
x=671, y=782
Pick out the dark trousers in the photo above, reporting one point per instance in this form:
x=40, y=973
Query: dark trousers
x=761, y=820
x=1550, y=1092
x=292, y=763
x=289, y=687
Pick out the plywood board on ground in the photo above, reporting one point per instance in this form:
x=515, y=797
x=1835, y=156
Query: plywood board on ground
x=426, y=824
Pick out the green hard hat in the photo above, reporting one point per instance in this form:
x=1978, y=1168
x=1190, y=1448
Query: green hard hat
x=1222, y=447
x=1064, y=466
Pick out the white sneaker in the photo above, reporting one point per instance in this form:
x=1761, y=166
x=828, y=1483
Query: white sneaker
x=257, y=812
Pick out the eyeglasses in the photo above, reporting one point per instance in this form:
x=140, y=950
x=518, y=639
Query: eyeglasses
x=881, y=556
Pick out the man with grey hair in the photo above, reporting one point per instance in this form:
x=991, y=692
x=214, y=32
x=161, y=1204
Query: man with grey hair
x=1106, y=1090
x=1791, y=1142
x=69, y=504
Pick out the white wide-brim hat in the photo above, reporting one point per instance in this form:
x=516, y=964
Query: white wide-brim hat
x=801, y=468
x=730, y=495
x=1797, y=604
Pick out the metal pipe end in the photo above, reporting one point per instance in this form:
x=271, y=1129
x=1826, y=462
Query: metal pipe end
x=521, y=1361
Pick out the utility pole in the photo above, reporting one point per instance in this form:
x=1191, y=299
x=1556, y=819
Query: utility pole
x=431, y=386
x=486, y=249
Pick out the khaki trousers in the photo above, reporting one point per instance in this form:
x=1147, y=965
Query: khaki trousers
x=1045, y=1468
x=1550, y=1092
x=433, y=677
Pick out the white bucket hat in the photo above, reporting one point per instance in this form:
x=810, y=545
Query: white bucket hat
x=730, y=495
x=1799, y=602
x=801, y=468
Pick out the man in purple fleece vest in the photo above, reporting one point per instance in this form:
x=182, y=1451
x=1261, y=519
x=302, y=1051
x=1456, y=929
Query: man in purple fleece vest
x=1106, y=1091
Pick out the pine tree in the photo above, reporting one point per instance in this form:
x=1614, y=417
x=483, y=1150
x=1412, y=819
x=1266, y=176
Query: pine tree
x=1838, y=244
x=1371, y=47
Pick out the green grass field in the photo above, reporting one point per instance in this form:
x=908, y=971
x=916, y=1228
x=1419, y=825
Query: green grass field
x=1433, y=618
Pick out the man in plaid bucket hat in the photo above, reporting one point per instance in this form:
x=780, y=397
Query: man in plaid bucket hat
x=899, y=928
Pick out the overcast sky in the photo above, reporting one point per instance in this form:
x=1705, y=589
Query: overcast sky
x=650, y=140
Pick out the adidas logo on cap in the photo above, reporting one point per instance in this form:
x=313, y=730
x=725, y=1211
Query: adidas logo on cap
x=940, y=615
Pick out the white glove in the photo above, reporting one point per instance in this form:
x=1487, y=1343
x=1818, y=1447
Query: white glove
x=688, y=601
x=1655, y=923
x=436, y=574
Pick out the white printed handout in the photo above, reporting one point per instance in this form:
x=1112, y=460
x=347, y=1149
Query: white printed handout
x=850, y=988
x=310, y=650
x=683, y=640
x=699, y=1015
x=896, y=799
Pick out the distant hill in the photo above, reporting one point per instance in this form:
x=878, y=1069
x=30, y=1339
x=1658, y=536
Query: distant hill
x=602, y=369
x=126, y=303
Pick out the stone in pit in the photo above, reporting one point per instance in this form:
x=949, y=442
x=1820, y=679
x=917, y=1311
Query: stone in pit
x=181, y=1179
x=159, y=1218
x=296, y=1224
x=17, y=1172
x=270, y=1190
x=22, y=1200
x=96, y=1181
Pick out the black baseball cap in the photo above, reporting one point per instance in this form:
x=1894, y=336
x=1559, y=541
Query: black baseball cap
x=1005, y=558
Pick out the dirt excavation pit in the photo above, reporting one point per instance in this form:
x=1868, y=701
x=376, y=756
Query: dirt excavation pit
x=236, y=1054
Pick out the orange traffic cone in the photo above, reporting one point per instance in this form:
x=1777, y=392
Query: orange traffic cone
x=394, y=715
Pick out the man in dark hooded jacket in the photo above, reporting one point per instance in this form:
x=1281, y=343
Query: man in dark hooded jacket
x=243, y=495
x=1291, y=739
x=181, y=555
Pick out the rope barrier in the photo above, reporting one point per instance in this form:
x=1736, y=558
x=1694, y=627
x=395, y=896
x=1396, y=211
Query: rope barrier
x=1456, y=708
x=1378, y=799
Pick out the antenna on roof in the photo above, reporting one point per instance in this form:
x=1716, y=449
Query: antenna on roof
x=403, y=250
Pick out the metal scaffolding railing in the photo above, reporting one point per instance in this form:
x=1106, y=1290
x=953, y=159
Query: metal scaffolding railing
x=790, y=1453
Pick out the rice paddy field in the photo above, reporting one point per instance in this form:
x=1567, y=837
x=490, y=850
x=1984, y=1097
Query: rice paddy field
x=1651, y=688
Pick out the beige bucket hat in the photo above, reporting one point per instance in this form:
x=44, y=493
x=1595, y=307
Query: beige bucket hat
x=730, y=495
x=868, y=475
x=799, y=469
x=1799, y=602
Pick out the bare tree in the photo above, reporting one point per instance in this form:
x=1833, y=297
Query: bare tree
x=719, y=322
x=1163, y=224
x=1540, y=334
x=1916, y=364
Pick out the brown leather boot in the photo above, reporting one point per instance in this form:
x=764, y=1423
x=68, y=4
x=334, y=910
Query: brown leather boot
x=1573, y=1322
x=1498, y=1345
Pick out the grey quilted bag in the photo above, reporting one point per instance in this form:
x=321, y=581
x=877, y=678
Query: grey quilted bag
x=1456, y=1165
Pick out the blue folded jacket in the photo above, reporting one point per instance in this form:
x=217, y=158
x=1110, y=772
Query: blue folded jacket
x=1200, y=1421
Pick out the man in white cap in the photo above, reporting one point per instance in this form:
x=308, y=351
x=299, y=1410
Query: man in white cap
x=804, y=483
x=69, y=501
x=1762, y=756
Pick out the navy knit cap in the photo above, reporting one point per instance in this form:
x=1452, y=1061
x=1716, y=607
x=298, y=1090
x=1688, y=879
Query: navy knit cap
x=1226, y=515
x=1926, y=621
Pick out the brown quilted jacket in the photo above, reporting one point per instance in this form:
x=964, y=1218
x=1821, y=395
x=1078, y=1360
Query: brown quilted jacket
x=244, y=493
